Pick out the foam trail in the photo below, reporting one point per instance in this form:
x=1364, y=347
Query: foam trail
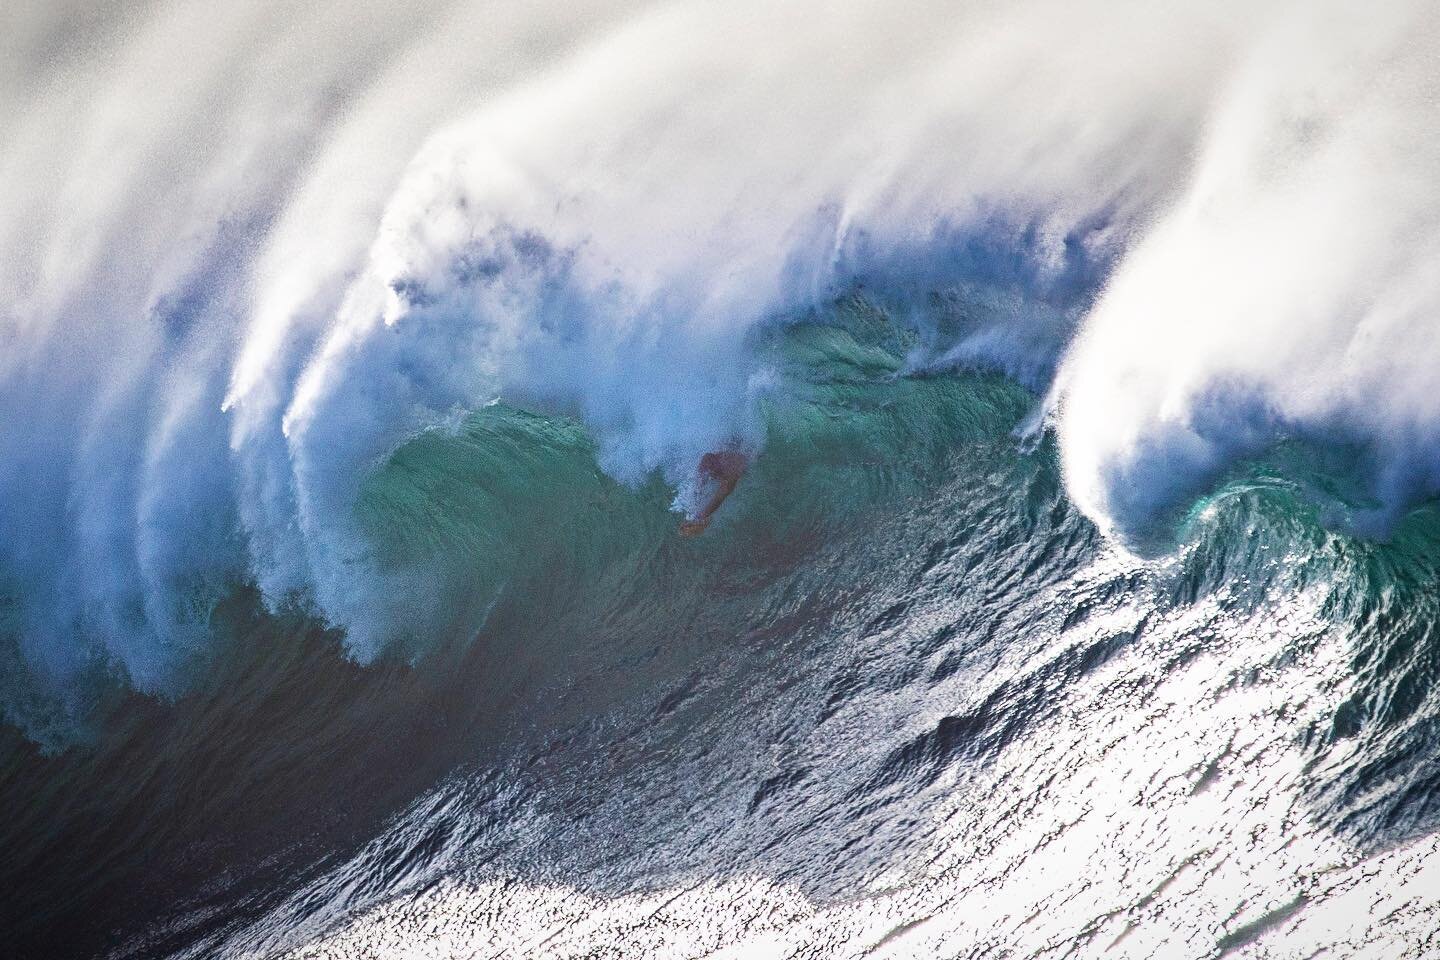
x=247, y=253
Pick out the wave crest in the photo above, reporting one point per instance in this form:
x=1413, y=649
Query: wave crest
x=227, y=309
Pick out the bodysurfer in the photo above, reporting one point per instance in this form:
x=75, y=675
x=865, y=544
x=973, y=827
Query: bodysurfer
x=721, y=471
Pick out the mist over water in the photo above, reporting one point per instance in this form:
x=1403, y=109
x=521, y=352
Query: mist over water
x=401, y=328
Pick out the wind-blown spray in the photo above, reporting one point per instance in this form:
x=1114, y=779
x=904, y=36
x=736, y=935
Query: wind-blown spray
x=248, y=254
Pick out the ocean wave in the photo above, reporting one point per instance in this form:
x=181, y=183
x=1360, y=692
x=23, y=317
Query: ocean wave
x=1198, y=232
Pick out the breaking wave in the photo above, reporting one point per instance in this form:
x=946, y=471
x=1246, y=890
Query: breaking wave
x=264, y=268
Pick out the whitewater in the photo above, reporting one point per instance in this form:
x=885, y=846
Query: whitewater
x=356, y=362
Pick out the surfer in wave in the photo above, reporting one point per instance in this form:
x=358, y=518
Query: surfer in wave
x=719, y=471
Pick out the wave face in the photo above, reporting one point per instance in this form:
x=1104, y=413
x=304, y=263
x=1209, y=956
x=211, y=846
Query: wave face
x=887, y=704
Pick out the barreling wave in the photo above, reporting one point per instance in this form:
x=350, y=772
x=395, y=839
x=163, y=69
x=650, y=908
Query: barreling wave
x=243, y=325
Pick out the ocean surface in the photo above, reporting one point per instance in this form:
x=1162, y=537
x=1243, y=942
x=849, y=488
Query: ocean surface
x=1080, y=598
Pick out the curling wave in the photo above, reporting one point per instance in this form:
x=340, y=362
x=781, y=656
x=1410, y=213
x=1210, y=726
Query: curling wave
x=1198, y=232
